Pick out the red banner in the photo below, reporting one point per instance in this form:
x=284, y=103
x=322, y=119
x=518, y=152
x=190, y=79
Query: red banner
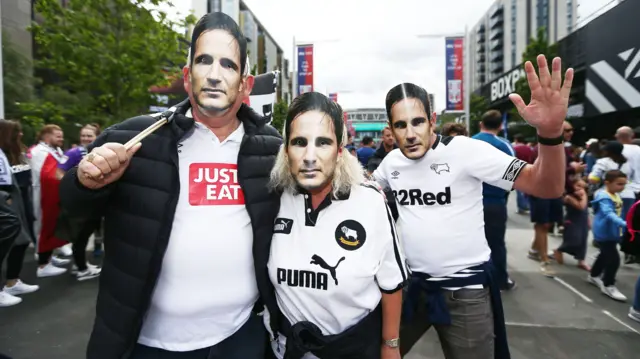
x=214, y=184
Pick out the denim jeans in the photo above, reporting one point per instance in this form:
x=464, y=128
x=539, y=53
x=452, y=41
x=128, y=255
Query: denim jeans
x=522, y=200
x=495, y=227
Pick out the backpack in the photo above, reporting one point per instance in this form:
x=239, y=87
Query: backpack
x=631, y=239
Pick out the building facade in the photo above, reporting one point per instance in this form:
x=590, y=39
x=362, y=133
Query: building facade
x=605, y=54
x=265, y=54
x=16, y=18
x=497, y=42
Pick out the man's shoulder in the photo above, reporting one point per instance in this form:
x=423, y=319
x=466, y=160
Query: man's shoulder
x=137, y=123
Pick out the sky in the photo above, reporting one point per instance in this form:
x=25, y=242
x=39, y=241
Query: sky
x=362, y=48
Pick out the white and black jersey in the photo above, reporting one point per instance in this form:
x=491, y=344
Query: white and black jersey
x=330, y=265
x=439, y=197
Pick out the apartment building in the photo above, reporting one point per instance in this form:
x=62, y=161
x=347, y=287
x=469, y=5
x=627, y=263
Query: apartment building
x=497, y=42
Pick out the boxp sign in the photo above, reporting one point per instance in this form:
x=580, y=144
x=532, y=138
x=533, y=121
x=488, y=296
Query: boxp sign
x=506, y=84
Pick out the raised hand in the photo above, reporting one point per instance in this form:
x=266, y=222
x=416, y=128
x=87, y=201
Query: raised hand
x=547, y=109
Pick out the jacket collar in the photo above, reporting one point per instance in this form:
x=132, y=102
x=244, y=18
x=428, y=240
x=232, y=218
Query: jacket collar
x=181, y=124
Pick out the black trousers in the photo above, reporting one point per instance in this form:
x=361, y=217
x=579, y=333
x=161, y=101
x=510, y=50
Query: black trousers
x=80, y=244
x=495, y=228
x=15, y=258
x=607, y=263
x=249, y=342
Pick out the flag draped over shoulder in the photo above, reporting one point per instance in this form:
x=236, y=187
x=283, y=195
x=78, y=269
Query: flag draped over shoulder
x=263, y=94
x=44, y=161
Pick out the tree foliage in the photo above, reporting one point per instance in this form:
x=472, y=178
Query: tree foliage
x=99, y=58
x=478, y=105
x=280, y=110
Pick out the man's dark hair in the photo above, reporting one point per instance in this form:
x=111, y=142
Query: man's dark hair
x=315, y=101
x=492, y=120
x=366, y=140
x=219, y=21
x=519, y=138
x=407, y=90
x=451, y=128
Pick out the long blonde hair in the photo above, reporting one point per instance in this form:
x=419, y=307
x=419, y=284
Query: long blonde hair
x=348, y=171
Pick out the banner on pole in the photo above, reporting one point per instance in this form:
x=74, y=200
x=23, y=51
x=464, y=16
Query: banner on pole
x=455, y=68
x=333, y=97
x=305, y=69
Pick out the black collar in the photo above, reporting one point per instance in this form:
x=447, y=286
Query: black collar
x=436, y=142
x=311, y=215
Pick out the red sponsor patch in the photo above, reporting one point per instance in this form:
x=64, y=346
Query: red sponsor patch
x=214, y=184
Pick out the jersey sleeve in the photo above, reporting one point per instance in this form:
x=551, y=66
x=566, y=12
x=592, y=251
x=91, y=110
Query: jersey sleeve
x=491, y=165
x=392, y=272
x=380, y=175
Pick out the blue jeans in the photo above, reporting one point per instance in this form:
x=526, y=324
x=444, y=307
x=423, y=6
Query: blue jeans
x=636, y=301
x=522, y=200
x=495, y=228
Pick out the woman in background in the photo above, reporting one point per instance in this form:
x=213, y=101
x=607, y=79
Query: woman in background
x=82, y=269
x=16, y=185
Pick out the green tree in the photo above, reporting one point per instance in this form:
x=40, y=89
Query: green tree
x=280, y=110
x=478, y=105
x=104, y=54
x=538, y=45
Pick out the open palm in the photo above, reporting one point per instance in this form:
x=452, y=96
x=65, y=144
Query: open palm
x=547, y=109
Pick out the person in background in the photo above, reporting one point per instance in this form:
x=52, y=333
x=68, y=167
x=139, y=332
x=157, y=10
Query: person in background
x=545, y=213
x=590, y=154
x=607, y=232
x=524, y=153
x=82, y=269
x=366, y=150
x=10, y=228
x=494, y=200
x=387, y=145
x=631, y=152
x=576, y=224
x=613, y=159
x=350, y=146
x=454, y=129
x=45, y=157
x=15, y=177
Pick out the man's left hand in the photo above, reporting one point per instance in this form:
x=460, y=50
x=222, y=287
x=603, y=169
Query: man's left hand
x=547, y=109
x=390, y=353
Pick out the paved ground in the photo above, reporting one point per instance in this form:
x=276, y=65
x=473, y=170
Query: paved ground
x=564, y=318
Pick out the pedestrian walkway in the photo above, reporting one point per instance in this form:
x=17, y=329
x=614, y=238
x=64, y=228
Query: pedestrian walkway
x=556, y=318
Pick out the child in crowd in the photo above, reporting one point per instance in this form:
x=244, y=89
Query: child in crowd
x=576, y=223
x=607, y=232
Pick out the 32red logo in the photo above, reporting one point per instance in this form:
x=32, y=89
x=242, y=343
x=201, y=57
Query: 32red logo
x=214, y=184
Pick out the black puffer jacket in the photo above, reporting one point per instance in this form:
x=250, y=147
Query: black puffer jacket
x=139, y=210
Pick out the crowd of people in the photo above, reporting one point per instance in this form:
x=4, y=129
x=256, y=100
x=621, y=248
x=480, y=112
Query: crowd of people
x=30, y=181
x=225, y=239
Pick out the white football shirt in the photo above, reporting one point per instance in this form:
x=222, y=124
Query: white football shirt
x=330, y=265
x=207, y=287
x=439, y=199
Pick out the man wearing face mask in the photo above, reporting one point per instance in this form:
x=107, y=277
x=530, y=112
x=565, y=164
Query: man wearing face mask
x=188, y=222
x=335, y=260
x=437, y=182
